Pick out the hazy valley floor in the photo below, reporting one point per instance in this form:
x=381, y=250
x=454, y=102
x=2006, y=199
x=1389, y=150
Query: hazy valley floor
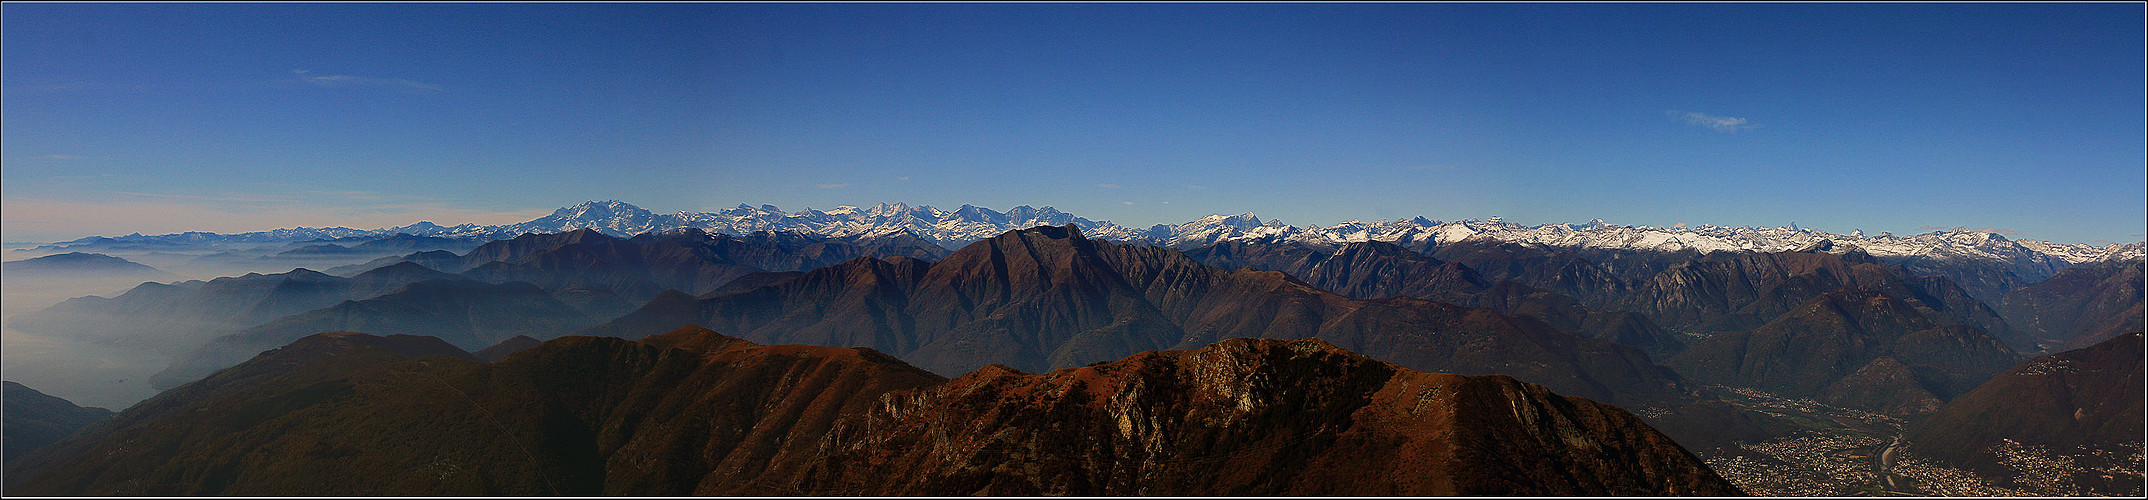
x=107, y=375
x=88, y=373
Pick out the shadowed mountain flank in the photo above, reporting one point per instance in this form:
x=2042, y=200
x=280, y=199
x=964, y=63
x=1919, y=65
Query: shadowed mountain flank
x=1046, y=298
x=2080, y=306
x=1734, y=292
x=1856, y=347
x=1374, y=269
x=35, y=419
x=1715, y=292
x=2083, y=405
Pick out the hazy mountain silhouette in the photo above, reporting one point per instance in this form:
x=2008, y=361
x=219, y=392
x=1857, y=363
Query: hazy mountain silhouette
x=593, y=275
x=471, y=315
x=76, y=264
x=180, y=316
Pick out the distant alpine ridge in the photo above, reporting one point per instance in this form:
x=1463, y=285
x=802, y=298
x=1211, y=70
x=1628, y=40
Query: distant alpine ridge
x=969, y=223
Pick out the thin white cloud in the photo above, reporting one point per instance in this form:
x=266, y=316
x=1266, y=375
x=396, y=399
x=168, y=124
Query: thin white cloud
x=353, y=82
x=838, y=185
x=62, y=157
x=1717, y=122
x=1108, y=185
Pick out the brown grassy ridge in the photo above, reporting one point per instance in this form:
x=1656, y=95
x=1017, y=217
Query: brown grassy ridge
x=694, y=412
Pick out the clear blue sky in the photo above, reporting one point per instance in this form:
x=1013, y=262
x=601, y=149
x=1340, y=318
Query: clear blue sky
x=1903, y=118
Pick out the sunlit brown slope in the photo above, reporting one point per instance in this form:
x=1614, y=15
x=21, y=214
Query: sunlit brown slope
x=1247, y=417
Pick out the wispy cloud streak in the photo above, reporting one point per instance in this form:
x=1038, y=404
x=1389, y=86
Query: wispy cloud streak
x=1717, y=122
x=353, y=82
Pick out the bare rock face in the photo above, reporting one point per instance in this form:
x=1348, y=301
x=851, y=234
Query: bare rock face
x=694, y=412
x=1249, y=417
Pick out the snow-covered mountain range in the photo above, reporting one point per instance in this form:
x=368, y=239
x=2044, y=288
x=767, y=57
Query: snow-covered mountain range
x=970, y=223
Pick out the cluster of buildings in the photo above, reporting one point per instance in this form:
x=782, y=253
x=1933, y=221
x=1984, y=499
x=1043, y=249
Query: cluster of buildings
x=1811, y=464
x=1937, y=480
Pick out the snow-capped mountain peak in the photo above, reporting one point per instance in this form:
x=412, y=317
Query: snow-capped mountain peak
x=611, y=217
x=971, y=223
